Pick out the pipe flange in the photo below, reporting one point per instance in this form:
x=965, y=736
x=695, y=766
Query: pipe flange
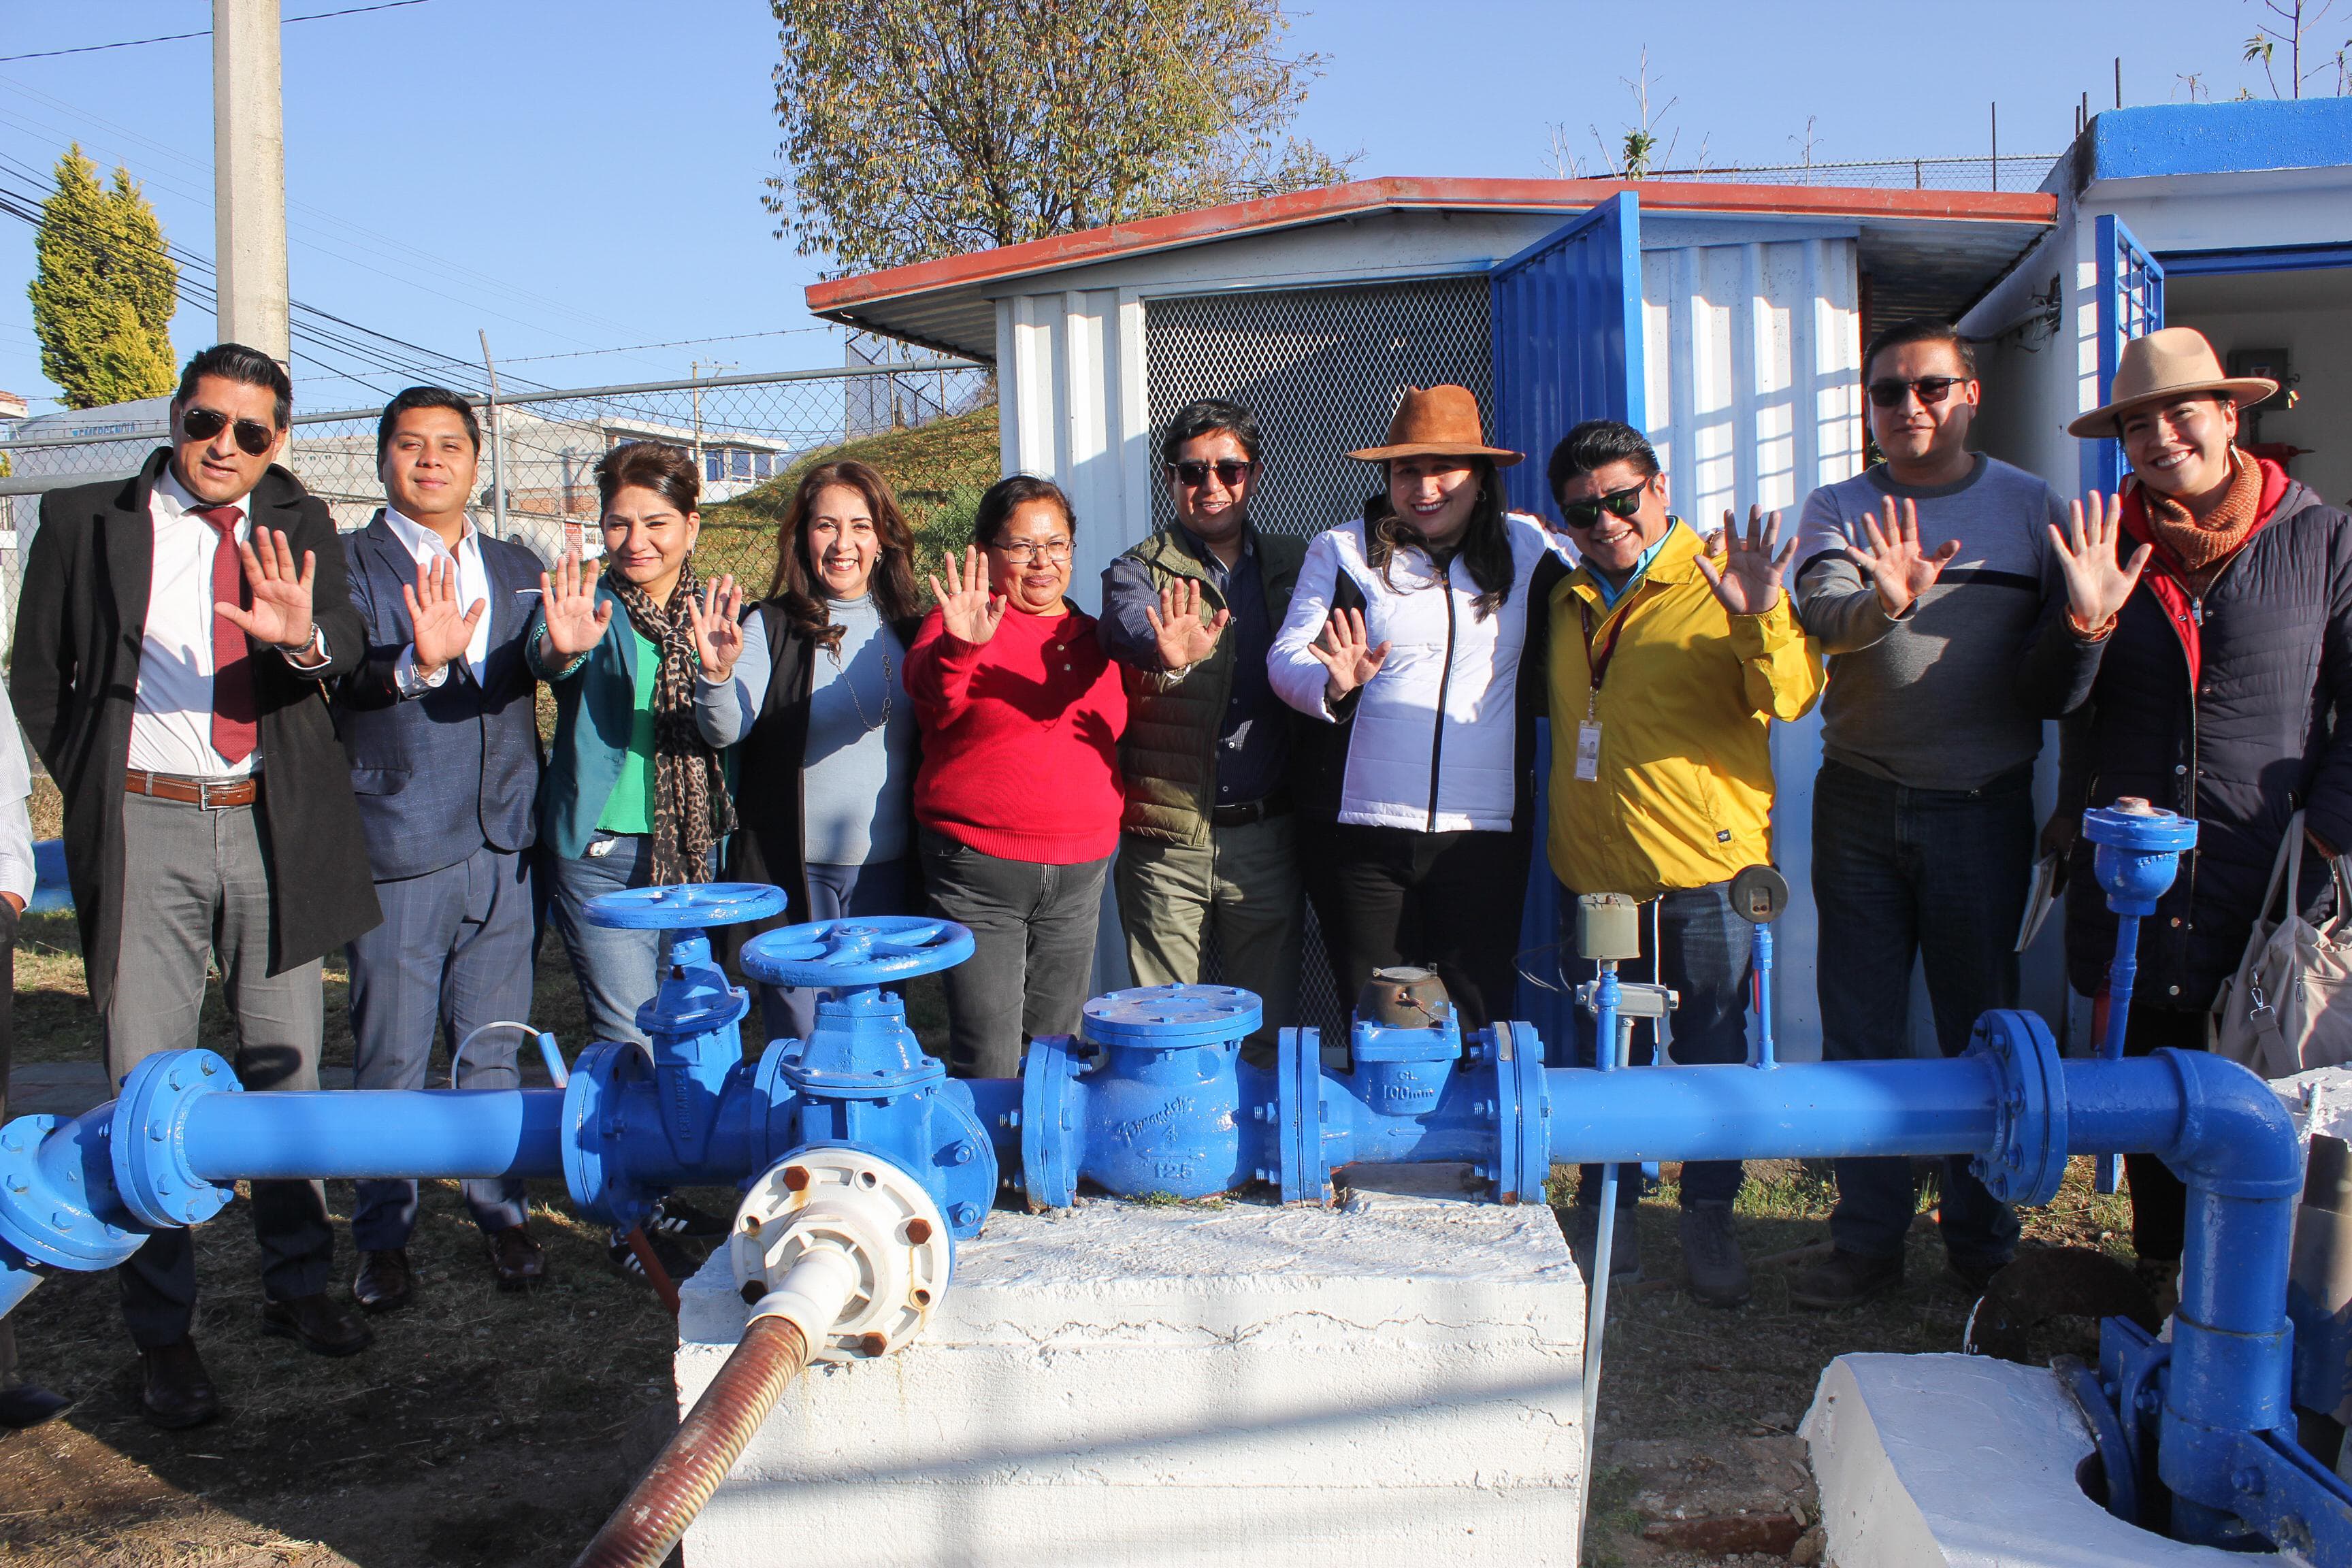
x=50, y=1223
x=1305, y=1175
x=1048, y=1176
x=2027, y=1159
x=591, y=1103
x=866, y=1206
x=965, y=1162
x=1522, y=1114
x=149, y=1138
x=1172, y=1017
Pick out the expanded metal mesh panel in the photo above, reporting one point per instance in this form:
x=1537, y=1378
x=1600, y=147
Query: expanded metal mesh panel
x=1322, y=369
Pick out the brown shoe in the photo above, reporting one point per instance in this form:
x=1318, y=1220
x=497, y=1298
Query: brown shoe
x=384, y=1282
x=516, y=1259
x=178, y=1392
x=316, y=1323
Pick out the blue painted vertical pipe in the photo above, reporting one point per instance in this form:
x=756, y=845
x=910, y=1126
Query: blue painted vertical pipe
x=1760, y=955
x=2123, y=973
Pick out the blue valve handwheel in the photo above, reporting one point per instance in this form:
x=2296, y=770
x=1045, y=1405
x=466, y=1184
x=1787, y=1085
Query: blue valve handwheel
x=874, y=950
x=690, y=907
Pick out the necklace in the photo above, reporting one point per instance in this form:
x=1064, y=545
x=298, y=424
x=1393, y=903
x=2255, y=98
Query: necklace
x=849, y=679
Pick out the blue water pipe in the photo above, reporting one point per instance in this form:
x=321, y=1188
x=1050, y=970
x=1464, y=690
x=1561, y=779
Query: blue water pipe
x=1152, y=1097
x=2139, y=854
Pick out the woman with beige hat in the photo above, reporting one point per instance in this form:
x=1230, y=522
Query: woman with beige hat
x=2227, y=655
x=1403, y=641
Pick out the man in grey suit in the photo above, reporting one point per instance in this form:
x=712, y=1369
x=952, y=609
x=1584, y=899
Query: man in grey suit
x=440, y=726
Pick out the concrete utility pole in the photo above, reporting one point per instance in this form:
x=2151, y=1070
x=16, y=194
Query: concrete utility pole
x=249, y=176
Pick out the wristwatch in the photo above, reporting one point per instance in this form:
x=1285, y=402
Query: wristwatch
x=310, y=645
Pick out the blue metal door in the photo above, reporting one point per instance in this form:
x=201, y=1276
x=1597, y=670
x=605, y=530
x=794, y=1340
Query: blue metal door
x=1568, y=338
x=1568, y=348
x=2131, y=305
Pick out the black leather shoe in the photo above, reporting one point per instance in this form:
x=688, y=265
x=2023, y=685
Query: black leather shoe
x=516, y=1259
x=384, y=1282
x=28, y=1405
x=1847, y=1280
x=179, y=1392
x=316, y=1323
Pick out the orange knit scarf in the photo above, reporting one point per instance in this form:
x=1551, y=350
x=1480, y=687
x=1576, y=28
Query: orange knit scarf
x=2201, y=545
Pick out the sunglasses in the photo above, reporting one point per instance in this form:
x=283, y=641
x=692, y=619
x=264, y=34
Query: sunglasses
x=1932, y=389
x=1192, y=476
x=253, y=437
x=1616, y=504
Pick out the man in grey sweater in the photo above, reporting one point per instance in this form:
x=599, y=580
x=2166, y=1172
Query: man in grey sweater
x=1942, y=658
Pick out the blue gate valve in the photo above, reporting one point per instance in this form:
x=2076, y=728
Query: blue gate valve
x=861, y=1080
x=2139, y=855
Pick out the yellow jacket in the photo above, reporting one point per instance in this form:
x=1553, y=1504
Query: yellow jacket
x=1685, y=793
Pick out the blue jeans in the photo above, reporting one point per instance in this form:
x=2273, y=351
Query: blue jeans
x=453, y=954
x=618, y=970
x=1940, y=875
x=1701, y=951
x=836, y=892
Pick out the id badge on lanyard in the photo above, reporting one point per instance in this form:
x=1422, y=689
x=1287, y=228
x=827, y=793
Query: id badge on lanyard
x=1587, y=733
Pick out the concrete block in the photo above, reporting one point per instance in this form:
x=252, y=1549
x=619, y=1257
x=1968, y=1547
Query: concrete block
x=1394, y=1380
x=1955, y=1461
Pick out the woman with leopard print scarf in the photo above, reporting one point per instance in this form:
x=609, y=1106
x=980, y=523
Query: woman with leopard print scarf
x=635, y=791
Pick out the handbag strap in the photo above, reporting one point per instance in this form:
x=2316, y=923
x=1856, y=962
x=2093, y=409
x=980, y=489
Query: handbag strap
x=2286, y=867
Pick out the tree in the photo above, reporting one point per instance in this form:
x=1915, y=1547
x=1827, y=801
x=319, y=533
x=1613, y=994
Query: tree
x=1638, y=155
x=103, y=290
x=2287, y=22
x=916, y=129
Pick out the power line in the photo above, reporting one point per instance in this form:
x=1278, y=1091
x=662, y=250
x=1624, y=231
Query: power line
x=672, y=343
x=206, y=33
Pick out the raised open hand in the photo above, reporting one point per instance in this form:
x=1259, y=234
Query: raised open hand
x=972, y=613
x=440, y=631
x=281, y=595
x=1185, y=635
x=568, y=601
x=1344, y=653
x=1893, y=560
x=2097, y=582
x=1749, y=581
x=716, y=610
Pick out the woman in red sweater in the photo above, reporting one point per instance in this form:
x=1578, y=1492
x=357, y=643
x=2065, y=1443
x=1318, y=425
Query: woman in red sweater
x=1018, y=801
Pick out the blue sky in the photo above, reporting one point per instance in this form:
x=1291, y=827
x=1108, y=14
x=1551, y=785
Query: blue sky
x=577, y=176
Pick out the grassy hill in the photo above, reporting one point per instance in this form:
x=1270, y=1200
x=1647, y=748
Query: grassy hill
x=939, y=470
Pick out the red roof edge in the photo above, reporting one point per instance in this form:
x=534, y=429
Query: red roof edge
x=1298, y=208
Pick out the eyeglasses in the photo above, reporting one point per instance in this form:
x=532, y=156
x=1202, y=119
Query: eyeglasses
x=1192, y=476
x=1932, y=389
x=1616, y=504
x=1031, y=551
x=253, y=437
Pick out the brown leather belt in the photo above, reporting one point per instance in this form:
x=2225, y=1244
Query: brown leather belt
x=210, y=793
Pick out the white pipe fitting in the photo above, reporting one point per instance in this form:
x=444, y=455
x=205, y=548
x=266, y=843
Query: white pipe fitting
x=847, y=1245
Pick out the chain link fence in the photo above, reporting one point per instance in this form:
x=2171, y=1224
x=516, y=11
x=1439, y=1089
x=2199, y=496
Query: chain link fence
x=540, y=449
x=2025, y=172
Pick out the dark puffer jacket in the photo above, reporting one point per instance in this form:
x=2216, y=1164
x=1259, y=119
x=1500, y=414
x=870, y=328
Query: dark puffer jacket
x=2224, y=708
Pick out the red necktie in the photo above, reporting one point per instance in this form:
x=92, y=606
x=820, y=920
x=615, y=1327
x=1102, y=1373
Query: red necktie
x=235, y=731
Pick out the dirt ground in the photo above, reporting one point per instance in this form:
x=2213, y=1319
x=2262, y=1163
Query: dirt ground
x=484, y=1428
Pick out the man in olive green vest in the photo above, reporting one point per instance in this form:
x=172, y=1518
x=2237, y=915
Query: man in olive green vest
x=1207, y=841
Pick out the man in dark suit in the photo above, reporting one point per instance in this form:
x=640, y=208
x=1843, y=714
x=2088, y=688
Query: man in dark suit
x=440, y=723
x=169, y=660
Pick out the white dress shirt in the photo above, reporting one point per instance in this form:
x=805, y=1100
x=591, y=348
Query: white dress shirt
x=17, y=875
x=423, y=547
x=172, y=726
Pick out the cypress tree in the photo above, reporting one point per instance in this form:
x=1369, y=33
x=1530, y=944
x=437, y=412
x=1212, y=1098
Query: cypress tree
x=103, y=290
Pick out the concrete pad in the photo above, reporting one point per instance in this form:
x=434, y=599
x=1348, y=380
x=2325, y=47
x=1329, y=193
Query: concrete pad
x=1955, y=1461
x=1394, y=1381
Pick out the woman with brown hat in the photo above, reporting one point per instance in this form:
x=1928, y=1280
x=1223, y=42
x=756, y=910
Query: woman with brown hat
x=2229, y=650
x=1404, y=637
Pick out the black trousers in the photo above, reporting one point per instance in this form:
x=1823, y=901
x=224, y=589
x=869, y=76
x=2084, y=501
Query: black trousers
x=2159, y=1201
x=1446, y=901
